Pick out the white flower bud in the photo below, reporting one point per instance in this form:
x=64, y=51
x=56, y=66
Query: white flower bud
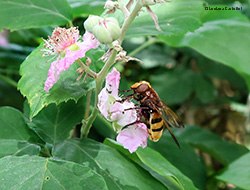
x=91, y=22
x=107, y=30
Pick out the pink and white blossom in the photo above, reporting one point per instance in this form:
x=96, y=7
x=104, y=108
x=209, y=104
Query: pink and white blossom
x=113, y=82
x=133, y=137
x=105, y=102
x=67, y=46
x=122, y=114
x=109, y=105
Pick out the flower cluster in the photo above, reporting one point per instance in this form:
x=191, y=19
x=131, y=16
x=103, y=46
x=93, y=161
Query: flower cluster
x=121, y=114
x=68, y=47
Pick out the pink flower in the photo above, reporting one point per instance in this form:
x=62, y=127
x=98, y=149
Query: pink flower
x=105, y=101
x=121, y=115
x=64, y=43
x=108, y=105
x=133, y=137
x=113, y=81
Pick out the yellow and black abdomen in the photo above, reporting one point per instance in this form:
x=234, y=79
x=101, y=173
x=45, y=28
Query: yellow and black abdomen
x=155, y=127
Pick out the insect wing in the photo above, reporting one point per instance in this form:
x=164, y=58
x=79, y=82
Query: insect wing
x=170, y=117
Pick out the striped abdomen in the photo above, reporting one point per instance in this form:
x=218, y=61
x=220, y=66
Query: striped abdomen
x=155, y=127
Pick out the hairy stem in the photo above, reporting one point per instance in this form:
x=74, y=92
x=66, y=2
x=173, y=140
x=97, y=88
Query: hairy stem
x=99, y=78
x=123, y=8
x=86, y=68
x=87, y=106
x=130, y=19
x=99, y=81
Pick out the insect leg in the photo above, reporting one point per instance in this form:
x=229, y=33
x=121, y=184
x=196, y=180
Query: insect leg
x=136, y=108
x=126, y=98
x=137, y=121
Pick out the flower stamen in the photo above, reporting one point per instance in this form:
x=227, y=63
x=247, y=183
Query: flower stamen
x=61, y=39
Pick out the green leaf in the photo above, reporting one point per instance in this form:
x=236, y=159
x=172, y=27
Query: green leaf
x=175, y=83
x=182, y=158
x=13, y=126
x=17, y=148
x=118, y=172
x=205, y=90
x=159, y=164
x=54, y=123
x=169, y=181
x=16, y=14
x=237, y=173
x=168, y=174
x=155, y=56
x=33, y=172
x=224, y=37
x=86, y=7
x=211, y=143
x=177, y=17
x=34, y=71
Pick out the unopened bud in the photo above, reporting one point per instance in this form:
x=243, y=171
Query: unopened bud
x=107, y=30
x=91, y=22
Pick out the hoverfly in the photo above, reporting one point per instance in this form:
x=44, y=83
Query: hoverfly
x=155, y=112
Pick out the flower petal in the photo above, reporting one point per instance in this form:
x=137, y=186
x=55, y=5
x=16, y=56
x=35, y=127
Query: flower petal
x=89, y=41
x=121, y=115
x=59, y=66
x=113, y=81
x=116, y=111
x=70, y=56
x=53, y=76
x=133, y=137
x=102, y=102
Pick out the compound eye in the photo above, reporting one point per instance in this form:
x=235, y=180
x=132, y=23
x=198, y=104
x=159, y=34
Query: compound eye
x=142, y=88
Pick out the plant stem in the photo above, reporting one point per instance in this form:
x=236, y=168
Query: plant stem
x=9, y=80
x=86, y=68
x=99, y=78
x=130, y=19
x=123, y=8
x=87, y=106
